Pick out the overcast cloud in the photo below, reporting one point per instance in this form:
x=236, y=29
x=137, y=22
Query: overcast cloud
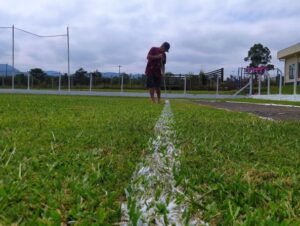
x=204, y=34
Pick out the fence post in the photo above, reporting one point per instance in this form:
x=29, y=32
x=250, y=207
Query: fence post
x=280, y=81
x=28, y=80
x=259, y=84
x=268, y=83
x=59, y=82
x=184, y=84
x=217, y=91
x=251, y=84
x=122, y=80
x=91, y=81
x=296, y=76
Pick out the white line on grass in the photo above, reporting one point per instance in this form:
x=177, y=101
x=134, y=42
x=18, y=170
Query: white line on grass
x=154, y=197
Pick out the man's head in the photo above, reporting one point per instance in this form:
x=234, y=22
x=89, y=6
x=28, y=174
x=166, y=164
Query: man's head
x=165, y=46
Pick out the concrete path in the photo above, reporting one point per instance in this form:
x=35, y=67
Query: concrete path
x=270, y=111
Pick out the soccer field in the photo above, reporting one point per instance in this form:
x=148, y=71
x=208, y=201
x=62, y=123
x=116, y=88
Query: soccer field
x=76, y=160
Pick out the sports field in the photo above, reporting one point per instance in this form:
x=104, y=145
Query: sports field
x=69, y=160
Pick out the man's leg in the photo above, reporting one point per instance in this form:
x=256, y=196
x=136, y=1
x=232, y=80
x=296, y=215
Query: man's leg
x=157, y=89
x=150, y=85
x=151, y=91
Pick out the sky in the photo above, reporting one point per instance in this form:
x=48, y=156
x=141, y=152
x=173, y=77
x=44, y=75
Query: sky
x=204, y=34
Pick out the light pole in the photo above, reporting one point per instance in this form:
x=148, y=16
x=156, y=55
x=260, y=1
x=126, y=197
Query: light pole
x=13, y=58
x=68, y=43
x=40, y=36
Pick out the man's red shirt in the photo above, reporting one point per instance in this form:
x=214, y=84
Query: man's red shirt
x=153, y=67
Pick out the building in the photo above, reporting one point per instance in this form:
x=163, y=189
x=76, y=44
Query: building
x=291, y=57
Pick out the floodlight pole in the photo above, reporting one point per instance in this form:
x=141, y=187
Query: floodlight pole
x=13, y=57
x=68, y=41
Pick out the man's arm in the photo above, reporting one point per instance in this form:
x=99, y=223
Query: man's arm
x=163, y=69
x=163, y=63
x=153, y=56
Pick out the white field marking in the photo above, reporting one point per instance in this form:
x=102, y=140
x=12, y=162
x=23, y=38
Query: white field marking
x=154, y=198
x=266, y=118
x=266, y=104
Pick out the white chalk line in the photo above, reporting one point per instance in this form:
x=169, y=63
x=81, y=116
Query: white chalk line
x=154, y=197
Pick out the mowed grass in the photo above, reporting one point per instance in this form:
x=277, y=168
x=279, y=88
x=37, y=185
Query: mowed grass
x=66, y=160
x=246, y=169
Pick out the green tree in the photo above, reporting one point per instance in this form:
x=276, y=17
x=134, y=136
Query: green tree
x=80, y=73
x=203, y=78
x=38, y=74
x=258, y=55
x=97, y=77
x=81, y=77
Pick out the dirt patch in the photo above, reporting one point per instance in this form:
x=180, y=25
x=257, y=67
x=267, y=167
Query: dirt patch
x=262, y=110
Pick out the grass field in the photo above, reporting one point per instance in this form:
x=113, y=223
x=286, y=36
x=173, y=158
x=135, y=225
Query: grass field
x=247, y=169
x=68, y=160
x=65, y=159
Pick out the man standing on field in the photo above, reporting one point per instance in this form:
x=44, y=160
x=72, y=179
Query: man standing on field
x=155, y=69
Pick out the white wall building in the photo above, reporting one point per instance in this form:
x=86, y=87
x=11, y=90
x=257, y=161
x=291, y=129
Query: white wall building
x=291, y=57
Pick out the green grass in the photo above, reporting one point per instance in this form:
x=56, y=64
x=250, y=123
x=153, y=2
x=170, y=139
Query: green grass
x=274, y=89
x=246, y=169
x=286, y=89
x=68, y=159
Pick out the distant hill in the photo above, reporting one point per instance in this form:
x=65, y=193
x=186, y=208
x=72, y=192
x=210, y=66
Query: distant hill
x=53, y=73
x=114, y=74
x=6, y=69
x=109, y=74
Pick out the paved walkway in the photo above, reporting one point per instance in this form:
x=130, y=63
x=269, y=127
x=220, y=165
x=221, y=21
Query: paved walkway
x=276, y=112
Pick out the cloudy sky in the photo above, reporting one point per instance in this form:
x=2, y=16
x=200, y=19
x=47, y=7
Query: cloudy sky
x=204, y=34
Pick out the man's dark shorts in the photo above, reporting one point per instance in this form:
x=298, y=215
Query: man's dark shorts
x=153, y=81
